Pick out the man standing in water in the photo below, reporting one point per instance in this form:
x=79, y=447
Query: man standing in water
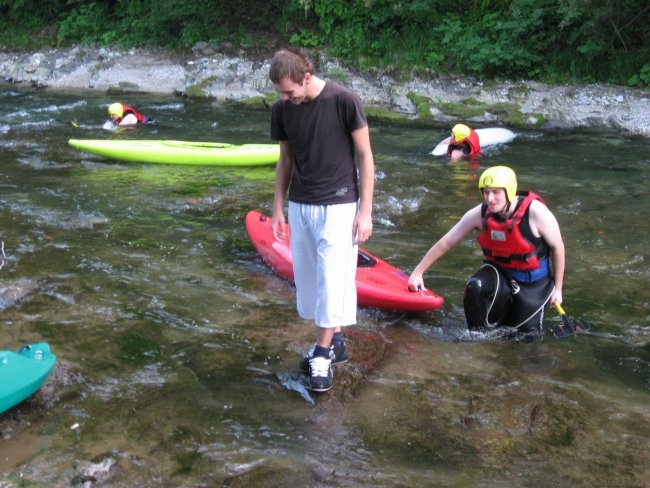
x=321, y=126
x=524, y=256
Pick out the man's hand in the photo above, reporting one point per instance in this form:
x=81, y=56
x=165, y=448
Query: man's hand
x=362, y=228
x=278, y=226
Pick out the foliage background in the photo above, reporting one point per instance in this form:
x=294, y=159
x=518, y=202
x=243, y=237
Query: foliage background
x=548, y=40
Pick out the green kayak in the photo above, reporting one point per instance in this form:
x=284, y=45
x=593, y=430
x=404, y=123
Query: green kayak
x=23, y=372
x=180, y=152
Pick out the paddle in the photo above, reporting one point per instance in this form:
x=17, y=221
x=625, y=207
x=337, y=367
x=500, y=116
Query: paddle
x=73, y=123
x=569, y=326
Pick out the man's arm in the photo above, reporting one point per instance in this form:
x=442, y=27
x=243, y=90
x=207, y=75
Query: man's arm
x=467, y=223
x=543, y=220
x=283, y=174
x=129, y=119
x=362, y=228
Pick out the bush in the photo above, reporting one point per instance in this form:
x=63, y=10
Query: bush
x=550, y=40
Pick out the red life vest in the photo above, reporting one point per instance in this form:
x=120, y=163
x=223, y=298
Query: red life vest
x=471, y=140
x=142, y=119
x=510, y=243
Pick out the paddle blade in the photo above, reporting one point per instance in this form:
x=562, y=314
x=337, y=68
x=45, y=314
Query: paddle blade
x=568, y=327
x=564, y=329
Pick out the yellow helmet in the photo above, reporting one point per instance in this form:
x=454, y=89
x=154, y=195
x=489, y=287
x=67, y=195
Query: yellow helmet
x=116, y=109
x=460, y=131
x=499, y=177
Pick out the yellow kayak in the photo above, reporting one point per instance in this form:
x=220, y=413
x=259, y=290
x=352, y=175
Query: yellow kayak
x=180, y=152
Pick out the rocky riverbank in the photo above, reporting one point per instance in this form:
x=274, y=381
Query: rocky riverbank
x=208, y=73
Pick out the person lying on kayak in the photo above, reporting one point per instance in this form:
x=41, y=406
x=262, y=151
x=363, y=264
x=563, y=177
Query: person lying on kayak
x=463, y=143
x=524, y=256
x=122, y=114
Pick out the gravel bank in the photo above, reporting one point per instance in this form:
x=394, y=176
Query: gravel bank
x=227, y=78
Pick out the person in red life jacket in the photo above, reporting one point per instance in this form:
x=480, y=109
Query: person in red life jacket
x=463, y=143
x=122, y=114
x=524, y=256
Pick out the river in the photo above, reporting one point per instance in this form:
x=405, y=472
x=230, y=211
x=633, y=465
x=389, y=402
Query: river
x=171, y=332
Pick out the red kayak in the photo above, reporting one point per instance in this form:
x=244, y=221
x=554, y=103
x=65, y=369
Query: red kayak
x=379, y=284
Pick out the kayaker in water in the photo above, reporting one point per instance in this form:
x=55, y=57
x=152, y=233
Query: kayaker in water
x=121, y=114
x=320, y=127
x=524, y=256
x=463, y=143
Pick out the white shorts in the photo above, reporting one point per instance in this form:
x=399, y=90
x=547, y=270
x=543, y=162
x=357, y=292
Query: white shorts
x=324, y=262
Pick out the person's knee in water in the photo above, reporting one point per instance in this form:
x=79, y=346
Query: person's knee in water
x=486, y=299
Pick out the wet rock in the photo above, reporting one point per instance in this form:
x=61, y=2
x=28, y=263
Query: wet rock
x=88, y=474
x=496, y=424
x=62, y=383
x=224, y=74
x=296, y=381
x=14, y=292
x=368, y=349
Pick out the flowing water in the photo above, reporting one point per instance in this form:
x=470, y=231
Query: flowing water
x=171, y=333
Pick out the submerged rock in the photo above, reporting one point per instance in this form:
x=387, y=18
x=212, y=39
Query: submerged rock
x=296, y=381
x=62, y=381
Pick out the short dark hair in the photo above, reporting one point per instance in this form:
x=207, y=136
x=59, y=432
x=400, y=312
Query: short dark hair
x=290, y=63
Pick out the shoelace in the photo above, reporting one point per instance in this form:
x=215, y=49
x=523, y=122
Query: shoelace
x=319, y=366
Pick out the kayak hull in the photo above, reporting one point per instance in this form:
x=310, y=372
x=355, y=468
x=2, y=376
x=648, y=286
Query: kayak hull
x=180, y=152
x=23, y=372
x=487, y=137
x=379, y=284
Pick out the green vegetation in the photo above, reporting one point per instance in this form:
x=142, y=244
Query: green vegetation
x=506, y=113
x=386, y=116
x=422, y=104
x=547, y=40
x=200, y=90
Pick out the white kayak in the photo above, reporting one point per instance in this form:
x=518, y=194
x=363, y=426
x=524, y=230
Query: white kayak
x=487, y=137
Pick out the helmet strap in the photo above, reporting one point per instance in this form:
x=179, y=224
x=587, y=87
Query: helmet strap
x=506, y=209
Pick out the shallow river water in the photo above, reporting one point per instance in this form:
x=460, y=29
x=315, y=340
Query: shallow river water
x=171, y=332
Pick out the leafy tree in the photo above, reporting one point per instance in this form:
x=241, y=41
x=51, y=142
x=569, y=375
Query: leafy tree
x=582, y=40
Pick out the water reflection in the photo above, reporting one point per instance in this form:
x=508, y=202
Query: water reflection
x=171, y=332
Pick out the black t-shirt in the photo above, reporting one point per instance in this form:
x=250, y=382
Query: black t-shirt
x=320, y=132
